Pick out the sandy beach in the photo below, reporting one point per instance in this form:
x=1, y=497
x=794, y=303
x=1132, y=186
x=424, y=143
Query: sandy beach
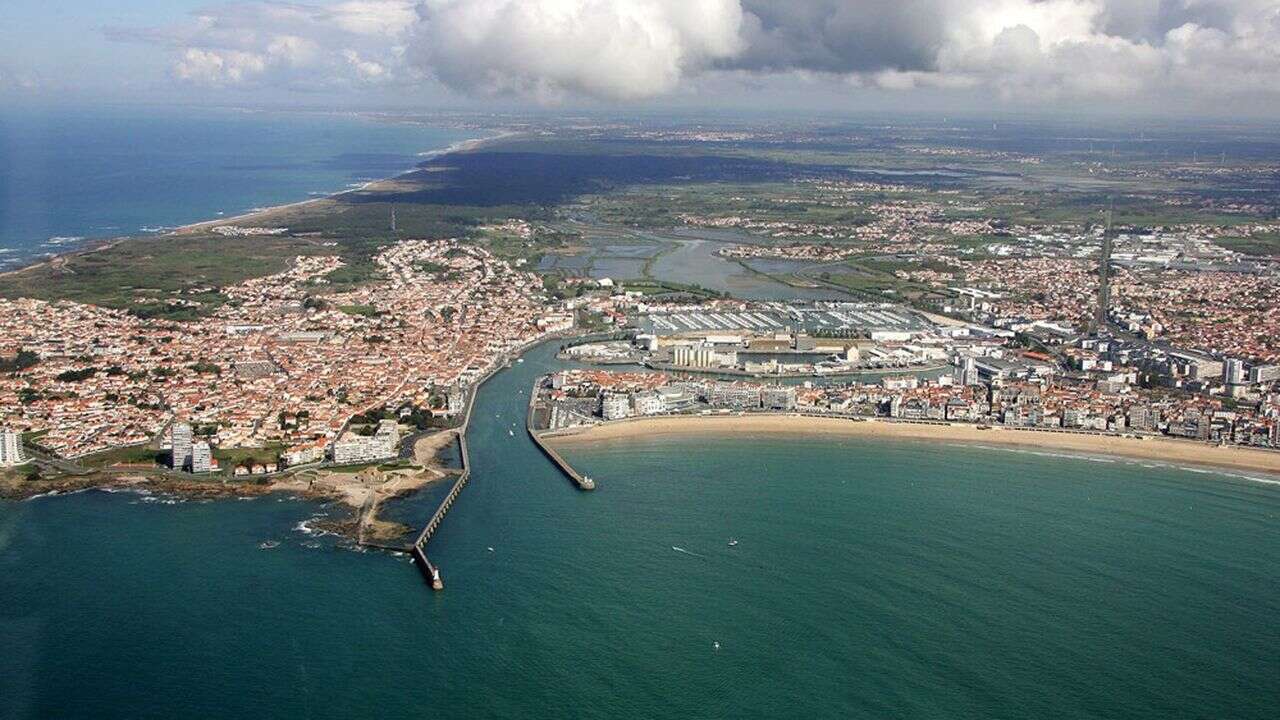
x=267, y=216
x=1162, y=450
x=270, y=216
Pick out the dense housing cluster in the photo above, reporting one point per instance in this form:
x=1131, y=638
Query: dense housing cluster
x=283, y=363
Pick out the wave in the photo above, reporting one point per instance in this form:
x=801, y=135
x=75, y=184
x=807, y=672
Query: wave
x=132, y=490
x=461, y=145
x=688, y=552
x=163, y=499
x=305, y=528
x=51, y=493
x=1148, y=464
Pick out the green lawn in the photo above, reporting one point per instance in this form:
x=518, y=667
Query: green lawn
x=133, y=455
x=360, y=310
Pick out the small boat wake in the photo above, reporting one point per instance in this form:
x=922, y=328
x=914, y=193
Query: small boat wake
x=688, y=552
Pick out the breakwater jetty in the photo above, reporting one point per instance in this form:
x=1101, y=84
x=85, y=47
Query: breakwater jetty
x=418, y=548
x=582, y=481
x=418, y=551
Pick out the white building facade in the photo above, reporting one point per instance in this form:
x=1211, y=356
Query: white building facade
x=180, y=440
x=11, y=448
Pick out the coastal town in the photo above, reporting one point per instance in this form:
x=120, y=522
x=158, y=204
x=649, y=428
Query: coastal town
x=640, y=359
x=958, y=305
x=1090, y=386
x=300, y=374
x=281, y=366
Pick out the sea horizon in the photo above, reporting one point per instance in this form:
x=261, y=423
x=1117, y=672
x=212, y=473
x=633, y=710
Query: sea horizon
x=68, y=182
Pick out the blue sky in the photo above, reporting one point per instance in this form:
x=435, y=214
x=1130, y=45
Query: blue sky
x=60, y=43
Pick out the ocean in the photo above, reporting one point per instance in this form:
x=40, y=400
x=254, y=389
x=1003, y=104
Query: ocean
x=67, y=176
x=870, y=579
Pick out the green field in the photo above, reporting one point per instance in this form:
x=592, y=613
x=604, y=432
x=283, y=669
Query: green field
x=132, y=455
x=1261, y=244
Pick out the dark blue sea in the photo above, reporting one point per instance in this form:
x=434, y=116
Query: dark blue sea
x=69, y=175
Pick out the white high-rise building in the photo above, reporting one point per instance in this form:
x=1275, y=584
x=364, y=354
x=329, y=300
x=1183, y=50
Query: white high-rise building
x=1264, y=374
x=969, y=371
x=353, y=449
x=648, y=403
x=180, y=439
x=1233, y=372
x=11, y=448
x=201, y=457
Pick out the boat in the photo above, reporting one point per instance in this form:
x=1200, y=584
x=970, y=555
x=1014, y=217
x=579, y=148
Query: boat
x=519, y=360
x=268, y=544
x=511, y=433
x=732, y=542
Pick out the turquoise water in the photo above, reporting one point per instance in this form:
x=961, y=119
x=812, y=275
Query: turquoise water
x=103, y=173
x=872, y=579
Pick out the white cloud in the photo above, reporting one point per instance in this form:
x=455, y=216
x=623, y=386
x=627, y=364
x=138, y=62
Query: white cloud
x=379, y=18
x=293, y=50
x=1189, y=51
x=12, y=80
x=603, y=48
x=218, y=67
x=286, y=44
x=368, y=70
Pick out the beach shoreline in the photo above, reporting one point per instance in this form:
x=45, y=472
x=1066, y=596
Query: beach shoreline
x=262, y=214
x=1166, y=451
x=266, y=212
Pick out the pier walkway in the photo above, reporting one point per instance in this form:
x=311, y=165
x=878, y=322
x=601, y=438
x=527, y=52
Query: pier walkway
x=419, y=548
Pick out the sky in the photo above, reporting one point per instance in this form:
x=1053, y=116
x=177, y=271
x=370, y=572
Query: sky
x=1175, y=58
